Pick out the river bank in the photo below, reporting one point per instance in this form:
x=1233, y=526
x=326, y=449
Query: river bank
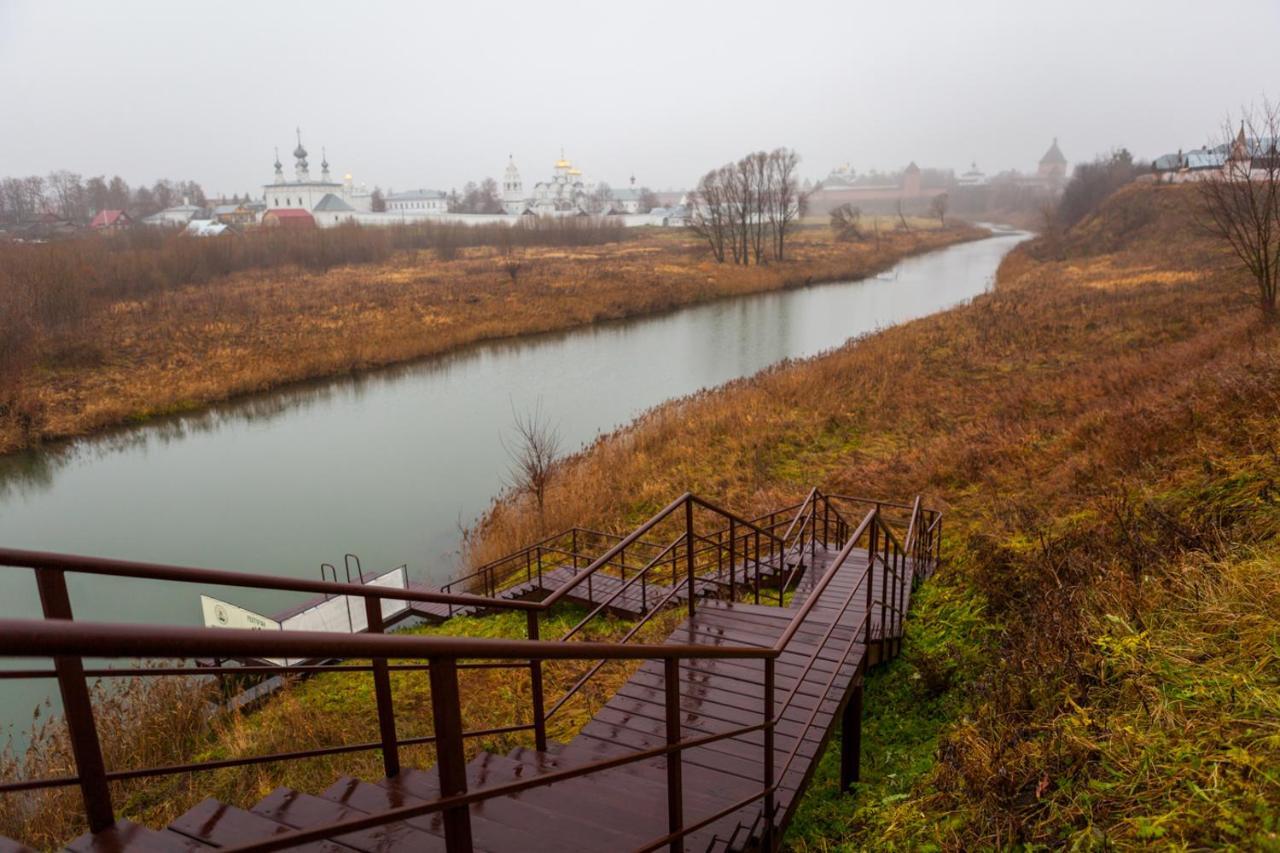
x=179, y=350
x=1101, y=430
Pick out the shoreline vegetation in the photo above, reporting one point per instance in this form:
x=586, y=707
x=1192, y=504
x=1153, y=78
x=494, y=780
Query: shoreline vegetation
x=1096, y=664
x=113, y=352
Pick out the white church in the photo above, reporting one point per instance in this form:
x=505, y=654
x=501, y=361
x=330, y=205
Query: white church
x=311, y=195
x=567, y=193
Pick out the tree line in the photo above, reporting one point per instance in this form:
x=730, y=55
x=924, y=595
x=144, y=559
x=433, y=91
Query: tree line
x=68, y=195
x=746, y=210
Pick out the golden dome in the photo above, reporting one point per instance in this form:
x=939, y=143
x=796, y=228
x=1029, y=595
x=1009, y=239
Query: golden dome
x=575, y=171
x=563, y=163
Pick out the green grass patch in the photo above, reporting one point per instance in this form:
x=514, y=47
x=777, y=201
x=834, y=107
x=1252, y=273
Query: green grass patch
x=907, y=703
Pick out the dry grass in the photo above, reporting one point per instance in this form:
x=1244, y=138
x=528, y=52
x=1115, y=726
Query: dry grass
x=1102, y=429
x=172, y=350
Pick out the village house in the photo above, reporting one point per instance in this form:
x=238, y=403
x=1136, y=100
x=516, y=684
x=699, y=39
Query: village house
x=111, y=221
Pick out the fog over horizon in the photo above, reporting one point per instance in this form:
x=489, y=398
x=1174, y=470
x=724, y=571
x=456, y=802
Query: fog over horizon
x=405, y=96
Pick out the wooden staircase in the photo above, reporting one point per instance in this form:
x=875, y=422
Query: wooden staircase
x=749, y=728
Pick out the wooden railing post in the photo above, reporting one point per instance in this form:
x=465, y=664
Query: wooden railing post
x=675, y=782
x=535, y=688
x=851, y=739
x=770, y=725
x=450, y=761
x=382, y=693
x=575, y=550
x=688, y=547
x=77, y=708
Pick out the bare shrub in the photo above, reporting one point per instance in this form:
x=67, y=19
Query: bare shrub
x=534, y=452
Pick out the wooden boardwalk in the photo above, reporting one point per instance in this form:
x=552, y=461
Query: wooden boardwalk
x=622, y=808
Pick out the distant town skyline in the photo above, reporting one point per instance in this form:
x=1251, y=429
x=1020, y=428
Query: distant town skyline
x=418, y=96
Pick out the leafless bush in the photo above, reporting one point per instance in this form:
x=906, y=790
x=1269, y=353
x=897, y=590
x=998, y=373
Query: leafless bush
x=846, y=223
x=534, y=452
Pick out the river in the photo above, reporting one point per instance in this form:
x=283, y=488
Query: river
x=390, y=465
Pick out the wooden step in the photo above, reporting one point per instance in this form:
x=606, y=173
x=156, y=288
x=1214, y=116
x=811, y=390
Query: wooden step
x=125, y=835
x=220, y=825
x=304, y=811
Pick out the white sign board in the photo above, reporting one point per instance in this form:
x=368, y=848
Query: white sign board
x=221, y=614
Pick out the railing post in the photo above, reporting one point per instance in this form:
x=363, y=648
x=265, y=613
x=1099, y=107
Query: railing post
x=851, y=739
x=826, y=522
x=871, y=573
x=675, y=782
x=382, y=693
x=767, y=841
x=813, y=535
x=733, y=538
x=535, y=688
x=77, y=708
x=540, y=583
x=757, y=584
x=450, y=761
x=575, y=550
x=688, y=552
x=884, y=596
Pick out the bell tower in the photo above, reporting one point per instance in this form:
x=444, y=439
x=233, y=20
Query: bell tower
x=512, y=188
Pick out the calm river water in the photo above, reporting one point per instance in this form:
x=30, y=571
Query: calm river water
x=391, y=464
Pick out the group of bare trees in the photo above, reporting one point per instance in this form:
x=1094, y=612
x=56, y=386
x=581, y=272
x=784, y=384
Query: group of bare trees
x=68, y=195
x=746, y=210
x=1240, y=204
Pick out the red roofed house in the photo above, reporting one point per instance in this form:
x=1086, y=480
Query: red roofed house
x=288, y=217
x=110, y=221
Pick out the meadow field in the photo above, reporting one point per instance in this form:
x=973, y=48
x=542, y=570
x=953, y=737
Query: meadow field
x=114, y=337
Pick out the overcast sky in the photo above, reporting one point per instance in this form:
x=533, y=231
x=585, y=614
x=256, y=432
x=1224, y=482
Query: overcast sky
x=431, y=95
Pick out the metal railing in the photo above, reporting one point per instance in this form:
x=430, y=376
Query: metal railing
x=699, y=557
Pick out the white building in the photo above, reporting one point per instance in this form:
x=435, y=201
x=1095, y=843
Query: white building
x=172, y=217
x=307, y=194
x=566, y=193
x=421, y=201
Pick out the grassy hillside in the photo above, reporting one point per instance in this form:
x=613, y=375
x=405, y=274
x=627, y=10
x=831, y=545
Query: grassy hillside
x=1098, y=664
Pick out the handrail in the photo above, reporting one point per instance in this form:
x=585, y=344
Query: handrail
x=64, y=638
x=19, y=558
x=635, y=535
x=625, y=586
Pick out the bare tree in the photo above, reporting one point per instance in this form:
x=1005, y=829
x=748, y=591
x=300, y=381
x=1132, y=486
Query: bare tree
x=1240, y=203
x=707, y=213
x=846, y=223
x=601, y=199
x=939, y=208
x=902, y=218
x=787, y=201
x=534, y=452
